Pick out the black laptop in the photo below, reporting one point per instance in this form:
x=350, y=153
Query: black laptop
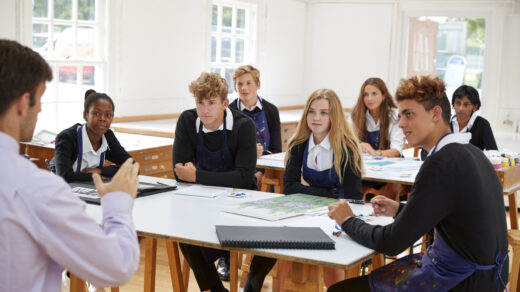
x=87, y=191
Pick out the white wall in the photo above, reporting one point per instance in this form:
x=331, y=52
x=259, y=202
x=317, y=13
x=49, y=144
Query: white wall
x=156, y=53
x=8, y=19
x=347, y=43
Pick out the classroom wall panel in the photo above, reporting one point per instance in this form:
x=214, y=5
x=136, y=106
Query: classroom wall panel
x=8, y=19
x=347, y=43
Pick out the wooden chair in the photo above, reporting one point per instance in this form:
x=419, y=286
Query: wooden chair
x=514, y=240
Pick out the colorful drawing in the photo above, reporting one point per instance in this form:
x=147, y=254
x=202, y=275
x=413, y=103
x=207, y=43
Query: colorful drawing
x=280, y=207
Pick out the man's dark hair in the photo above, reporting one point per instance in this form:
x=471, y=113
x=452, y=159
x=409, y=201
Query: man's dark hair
x=21, y=71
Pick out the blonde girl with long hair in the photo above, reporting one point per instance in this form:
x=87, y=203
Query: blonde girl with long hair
x=324, y=150
x=374, y=119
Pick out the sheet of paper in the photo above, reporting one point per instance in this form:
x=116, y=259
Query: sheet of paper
x=201, y=191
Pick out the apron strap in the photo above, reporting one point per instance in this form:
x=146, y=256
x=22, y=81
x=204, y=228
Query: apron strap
x=80, y=148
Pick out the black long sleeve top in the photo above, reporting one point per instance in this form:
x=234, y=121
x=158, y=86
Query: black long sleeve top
x=66, y=152
x=241, y=141
x=273, y=123
x=481, y=134
x=458, y=192
x=293, y=174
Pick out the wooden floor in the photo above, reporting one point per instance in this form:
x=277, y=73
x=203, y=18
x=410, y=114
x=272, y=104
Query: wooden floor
x=163, y=281
x=162, y=275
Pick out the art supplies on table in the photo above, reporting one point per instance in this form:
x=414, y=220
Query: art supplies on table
x=273, y=237
x=201, y=191
x=280, y=207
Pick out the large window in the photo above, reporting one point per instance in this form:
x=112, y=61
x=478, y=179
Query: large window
x=232, y=37
x=452, y=48
x=68, y=34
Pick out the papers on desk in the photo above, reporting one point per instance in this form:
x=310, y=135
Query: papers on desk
x=280, y=207
x=277, y=156
x=201, y=191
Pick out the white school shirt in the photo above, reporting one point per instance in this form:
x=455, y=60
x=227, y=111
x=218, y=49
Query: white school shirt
x=455, y=123
x=320, y=157
x=229, y=123
x=258, y=105
x=90, y=157
x=396, y=133
x=44, y=228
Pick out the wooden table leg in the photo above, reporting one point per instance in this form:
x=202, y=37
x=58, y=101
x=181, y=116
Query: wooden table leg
x=76, y=284
x=172, y=248
x=378, y=261
x=233, y=271
x=353, y=272
x=513, y=211
x=114, y=289
x=149, y=264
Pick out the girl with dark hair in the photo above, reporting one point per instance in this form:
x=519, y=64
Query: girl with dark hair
x=82, y=149
x=466, y=103
x=374, y=119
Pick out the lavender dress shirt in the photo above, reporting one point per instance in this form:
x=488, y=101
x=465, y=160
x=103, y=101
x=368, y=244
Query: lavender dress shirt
x=44, y=228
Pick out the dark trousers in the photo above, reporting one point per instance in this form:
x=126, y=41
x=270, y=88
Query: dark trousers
x=359, y=284
x=201, y=261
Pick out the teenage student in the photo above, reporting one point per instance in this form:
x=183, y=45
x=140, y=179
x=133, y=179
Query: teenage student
x=81, y=150
x=326, y=153
x=375, y=120
x=456, y=191
x=264, y=114
x=267, y=120
x=44, y=226
x=466, y=102
x=213, y=145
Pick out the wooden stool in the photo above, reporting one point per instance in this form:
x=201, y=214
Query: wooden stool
x=273, y=178
x=78, y=285
x=513, y=236
x=245, y=266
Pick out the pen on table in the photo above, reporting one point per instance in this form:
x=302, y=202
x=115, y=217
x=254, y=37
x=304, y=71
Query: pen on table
x=360, y=201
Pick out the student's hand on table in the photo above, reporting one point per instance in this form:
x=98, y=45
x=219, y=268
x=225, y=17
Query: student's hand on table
x=259, y=175
x=259, y=150
x=92, y=170
x=384, y=206
x=186, y=172
x=340, y=211
x=367, y=148
x=126, y=180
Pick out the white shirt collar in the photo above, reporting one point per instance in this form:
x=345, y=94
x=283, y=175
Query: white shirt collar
x=229, y=123
x=258, y=105
x=371, y=123
x=461, y=138
x=325, y=144
x=87, y=146
x=455, y=123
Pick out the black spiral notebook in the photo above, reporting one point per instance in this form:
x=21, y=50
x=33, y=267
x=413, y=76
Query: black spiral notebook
x=274, y=237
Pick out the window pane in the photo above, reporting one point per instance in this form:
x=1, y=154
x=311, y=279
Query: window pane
x=64, y=41
x=215, y=70
x=225, y=54
x=40, y=39
x=239, y=50
x=85, y=42
x=227, y=16
x=213, y=49
x=86, y=9
x=67, y=74
x=229, y=79
x=63, y=9
x=241, y=21
x=40, y=8
x=88, y=74
x=214, y=18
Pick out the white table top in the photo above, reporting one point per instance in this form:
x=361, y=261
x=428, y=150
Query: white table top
x=131, y=142
x=192, y=220
x=396, y=170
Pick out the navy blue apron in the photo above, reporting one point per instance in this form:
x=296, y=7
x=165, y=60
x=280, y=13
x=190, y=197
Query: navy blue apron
x=220, y=160
x=262, y=129
x=373, y=139
x=80, y=151
x=327, y=179
x=439, y=269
